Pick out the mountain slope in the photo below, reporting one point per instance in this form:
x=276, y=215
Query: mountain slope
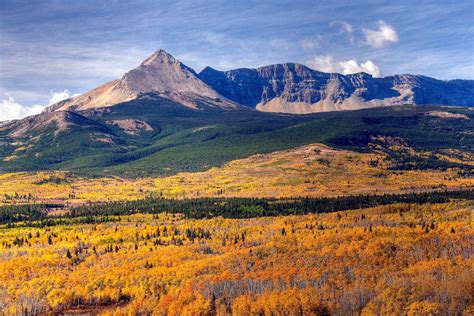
x=52, y=124
x=161, y=74
x=48, y=139
x=295, y=88
x=168, y=138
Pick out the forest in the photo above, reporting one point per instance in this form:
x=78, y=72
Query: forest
x=397, y=259
x=197, y=208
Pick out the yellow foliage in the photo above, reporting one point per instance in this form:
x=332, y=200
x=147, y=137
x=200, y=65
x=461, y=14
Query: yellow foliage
x=313, y=170
x=424, y=308
x=324, y=263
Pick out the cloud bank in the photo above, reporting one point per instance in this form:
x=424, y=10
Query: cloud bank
x=12, y=110
x=326, y=63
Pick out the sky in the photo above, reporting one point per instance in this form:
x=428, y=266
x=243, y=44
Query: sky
x=54, y=49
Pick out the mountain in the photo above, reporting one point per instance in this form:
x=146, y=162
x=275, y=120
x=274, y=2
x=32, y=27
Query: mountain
x=161, y=74
x=295, y=88
x=286, y=88
x=162, y=118
x=50, y=139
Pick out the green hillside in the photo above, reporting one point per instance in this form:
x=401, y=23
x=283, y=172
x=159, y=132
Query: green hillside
x=188, y=140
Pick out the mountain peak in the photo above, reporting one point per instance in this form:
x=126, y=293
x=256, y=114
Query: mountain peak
x=161, y=74
x=160, y=56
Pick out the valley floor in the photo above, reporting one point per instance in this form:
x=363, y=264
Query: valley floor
x=389, y=260
x=313, y=170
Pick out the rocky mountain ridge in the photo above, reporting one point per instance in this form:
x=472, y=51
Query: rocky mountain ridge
x=295, y=88
x=287, y=88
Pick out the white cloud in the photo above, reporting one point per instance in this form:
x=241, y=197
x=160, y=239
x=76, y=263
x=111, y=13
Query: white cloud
x=351, y=66
x=59, y=96
x=12, y=110
x=384, y=35
x=326, y=63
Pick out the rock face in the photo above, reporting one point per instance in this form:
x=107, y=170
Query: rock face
x=160, y=73
x=448, y=115
x=295, y=88
x=131, y=126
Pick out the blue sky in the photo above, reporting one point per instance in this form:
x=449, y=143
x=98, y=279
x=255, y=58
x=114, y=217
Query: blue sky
x=47, y=47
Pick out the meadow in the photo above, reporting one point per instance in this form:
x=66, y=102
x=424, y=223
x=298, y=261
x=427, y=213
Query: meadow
x=312, y=170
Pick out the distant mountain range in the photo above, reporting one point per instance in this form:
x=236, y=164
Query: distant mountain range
x=287, y=88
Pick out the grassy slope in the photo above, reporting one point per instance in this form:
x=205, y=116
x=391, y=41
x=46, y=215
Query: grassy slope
x=313, y=170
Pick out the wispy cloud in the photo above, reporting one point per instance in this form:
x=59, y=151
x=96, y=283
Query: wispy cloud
x=326, y=63
x=309, y=43
x=384, y=35
x=109, y=60
x=46, y=66
x=279, y=43
x=346, y=27
x=213, y=38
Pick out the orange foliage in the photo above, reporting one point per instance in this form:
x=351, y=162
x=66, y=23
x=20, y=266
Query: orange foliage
x=390, y=260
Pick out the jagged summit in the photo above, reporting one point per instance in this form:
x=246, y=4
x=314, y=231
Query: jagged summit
x=160, y=56
x=160, y=73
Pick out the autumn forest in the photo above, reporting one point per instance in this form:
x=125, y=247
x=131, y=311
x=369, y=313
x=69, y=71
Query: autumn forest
x=396, y=259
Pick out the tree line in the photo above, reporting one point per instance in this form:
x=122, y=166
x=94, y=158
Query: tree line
x=37, y=214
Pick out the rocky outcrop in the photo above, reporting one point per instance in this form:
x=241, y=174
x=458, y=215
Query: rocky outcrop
x=131, y=126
